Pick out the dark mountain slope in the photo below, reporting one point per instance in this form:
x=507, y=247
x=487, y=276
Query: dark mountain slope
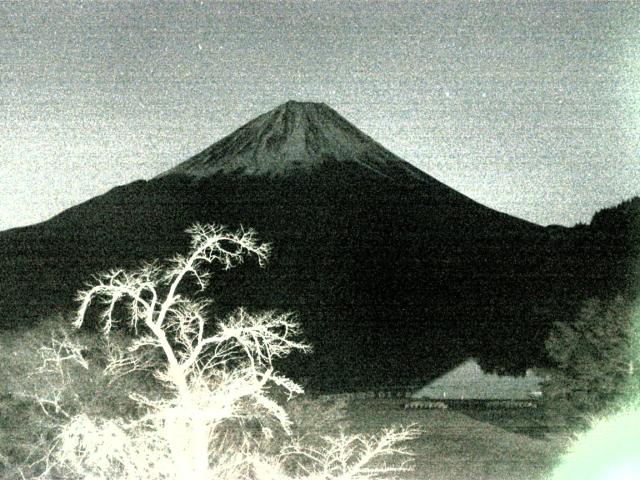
x=394, y=275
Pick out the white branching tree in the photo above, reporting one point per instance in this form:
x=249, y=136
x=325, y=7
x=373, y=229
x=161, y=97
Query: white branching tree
x=354, y=456
x=215, y=386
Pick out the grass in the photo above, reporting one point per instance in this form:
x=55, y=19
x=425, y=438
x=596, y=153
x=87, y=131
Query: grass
x=469, y=444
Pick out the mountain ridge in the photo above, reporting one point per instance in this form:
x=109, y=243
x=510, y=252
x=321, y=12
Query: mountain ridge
x=298, y=138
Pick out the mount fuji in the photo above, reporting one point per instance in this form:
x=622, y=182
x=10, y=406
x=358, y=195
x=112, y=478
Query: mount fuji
x=394, y=275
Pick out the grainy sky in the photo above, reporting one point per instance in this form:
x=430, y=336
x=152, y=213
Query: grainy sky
x=532, y=108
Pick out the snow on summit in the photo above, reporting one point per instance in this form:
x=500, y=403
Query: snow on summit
x=292, y=137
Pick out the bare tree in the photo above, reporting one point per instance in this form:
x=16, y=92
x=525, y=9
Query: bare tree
x=213, y=385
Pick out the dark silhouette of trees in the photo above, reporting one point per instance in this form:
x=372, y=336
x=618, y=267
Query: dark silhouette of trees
x=595, y=358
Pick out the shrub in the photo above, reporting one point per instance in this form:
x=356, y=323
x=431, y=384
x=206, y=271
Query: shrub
x=41, y=386
x=211, y=414
x=595, y=359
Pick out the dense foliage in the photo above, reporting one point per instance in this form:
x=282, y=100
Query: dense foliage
x=595, y=357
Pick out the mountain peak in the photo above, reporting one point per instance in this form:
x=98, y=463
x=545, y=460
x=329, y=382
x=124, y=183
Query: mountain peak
x=292, y=137
x=296, y=105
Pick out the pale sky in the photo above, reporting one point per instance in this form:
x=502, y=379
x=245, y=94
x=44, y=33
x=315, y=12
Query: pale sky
x=531, y=108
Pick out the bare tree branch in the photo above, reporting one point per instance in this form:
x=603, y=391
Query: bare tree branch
x=208, y=380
